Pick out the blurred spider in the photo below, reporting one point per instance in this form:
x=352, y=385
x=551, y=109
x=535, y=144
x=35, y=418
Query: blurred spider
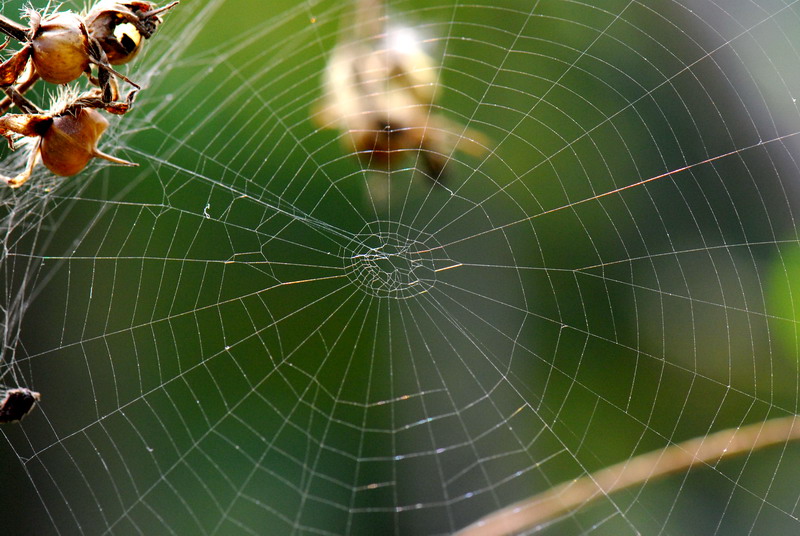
x=63, y=45
x=383, y=98
x=17, y=403
x=65, y=137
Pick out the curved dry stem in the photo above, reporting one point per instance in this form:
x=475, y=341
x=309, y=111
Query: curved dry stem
x=22, y=178
x=706, y=450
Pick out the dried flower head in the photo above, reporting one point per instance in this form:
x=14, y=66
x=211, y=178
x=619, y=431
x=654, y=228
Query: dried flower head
x=120, y=27
x=66, y=137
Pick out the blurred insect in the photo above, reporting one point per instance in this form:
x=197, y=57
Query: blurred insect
x=63, y=45
x=382, y=95
x=17, y=403
x=65, y=138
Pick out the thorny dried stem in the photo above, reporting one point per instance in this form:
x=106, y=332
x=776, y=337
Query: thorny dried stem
x=569, y=496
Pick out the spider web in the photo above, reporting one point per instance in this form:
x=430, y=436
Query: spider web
x=255, y=332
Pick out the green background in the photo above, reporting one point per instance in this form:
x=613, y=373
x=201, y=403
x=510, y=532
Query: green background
x=208, y=366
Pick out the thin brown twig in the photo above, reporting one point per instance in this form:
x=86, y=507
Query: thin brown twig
x=21, y=88
x=569, y=496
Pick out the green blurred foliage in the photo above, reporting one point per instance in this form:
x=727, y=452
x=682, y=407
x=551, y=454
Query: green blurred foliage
x=187, y=386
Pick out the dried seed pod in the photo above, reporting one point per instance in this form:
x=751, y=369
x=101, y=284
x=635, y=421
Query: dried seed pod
x=59, y=46
x=120, y=27
x=67, y=138
x=63, y=45
x=17, y=403
x=71, y=141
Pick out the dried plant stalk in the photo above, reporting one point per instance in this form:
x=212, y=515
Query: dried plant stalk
x=569, y=496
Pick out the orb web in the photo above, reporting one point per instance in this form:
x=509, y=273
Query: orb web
x=389, y=260
x=262, y=330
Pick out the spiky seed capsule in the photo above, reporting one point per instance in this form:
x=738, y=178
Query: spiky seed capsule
x=59, y=48
x=71, y=141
